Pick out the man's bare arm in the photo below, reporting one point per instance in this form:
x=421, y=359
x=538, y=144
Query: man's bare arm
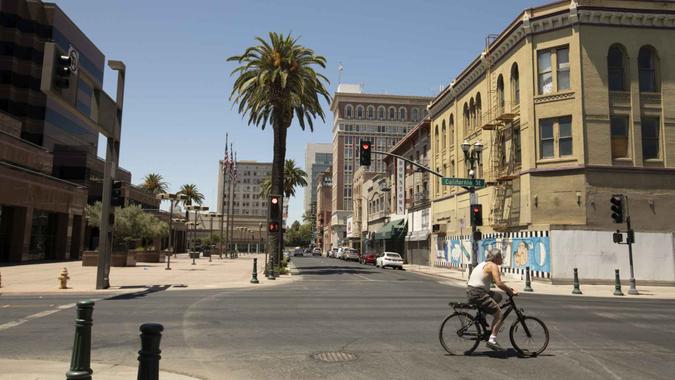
x=494, y=268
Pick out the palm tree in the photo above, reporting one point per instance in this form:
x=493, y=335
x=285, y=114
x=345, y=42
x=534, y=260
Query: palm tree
x=276, y=80
x=293, y=177
x=193, y=195
x=154, y=183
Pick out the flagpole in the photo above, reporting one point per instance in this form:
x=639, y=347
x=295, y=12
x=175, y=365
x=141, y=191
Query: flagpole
x=230, y=190
x=222, y=196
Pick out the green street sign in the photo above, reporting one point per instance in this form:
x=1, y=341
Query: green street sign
x=464, y=182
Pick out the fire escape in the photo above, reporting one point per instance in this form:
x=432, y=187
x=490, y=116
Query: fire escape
x=499, y=121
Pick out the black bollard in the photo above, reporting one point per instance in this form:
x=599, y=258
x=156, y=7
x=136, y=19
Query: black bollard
x=617, y=284
x=254, y=277
x=80, y=361
x=148, y=356
x=576, y=289
x=528, y=283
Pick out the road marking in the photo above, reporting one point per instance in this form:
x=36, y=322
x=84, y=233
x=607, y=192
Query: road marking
x=364, y=277
x=19, y=322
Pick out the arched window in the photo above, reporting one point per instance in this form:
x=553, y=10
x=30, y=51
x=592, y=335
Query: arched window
x=467, y=119
x=472, y=113
x=444, y=136
x=380, y=112
x=647, y=65
x=392, y=113
x=500, y=94
x=359, y=112
x=414, y=114
x=437, y=140
x=616, y=68
x=349, y=111
x=515, y=84
x=402, y=114
x=479, y=111
x=370, y=112
x=452, y=130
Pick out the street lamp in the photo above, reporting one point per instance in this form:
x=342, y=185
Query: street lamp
x=195, y=223
x=172, y=198
x=472, y=155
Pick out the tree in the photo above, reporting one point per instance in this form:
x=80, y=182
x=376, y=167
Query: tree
x=275, y=81
x=131, y=224
x=299, y=235
x=154, y=183
x=193, y=195
x=293, y=177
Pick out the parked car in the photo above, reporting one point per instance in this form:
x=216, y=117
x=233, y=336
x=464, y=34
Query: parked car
x=333, y=253
x=368, y=258
x=340, y=251
x=389, y=259
x=350, y=254
x=316, y=251
x=298, y=252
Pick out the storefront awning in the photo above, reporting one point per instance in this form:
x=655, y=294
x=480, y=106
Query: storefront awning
x=417, y=235
x=391, y=230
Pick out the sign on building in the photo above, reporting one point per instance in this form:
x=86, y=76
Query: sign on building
x=400, y=186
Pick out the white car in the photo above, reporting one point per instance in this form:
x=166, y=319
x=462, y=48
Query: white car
x=333, y=253
x=389, y=259
x=340, y=251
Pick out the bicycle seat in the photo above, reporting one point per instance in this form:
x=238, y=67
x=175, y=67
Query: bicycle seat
x=462, y=305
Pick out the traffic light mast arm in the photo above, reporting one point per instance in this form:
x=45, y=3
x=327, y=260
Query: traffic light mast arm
x=409, y=161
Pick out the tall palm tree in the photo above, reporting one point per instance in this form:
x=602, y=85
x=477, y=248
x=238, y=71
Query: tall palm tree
x=293, y=177
x=275, y=81
x=154, y=183
x=193, y=195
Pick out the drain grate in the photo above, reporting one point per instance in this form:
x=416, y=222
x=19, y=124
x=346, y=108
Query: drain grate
x=334, y=356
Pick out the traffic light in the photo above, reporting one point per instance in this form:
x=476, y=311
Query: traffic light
x=476, y=215
x=273, y=227
x=364, y=157
x=275, y=209
x=617, y=208
x=478, y=236
x=63, y=70
x=116, y=199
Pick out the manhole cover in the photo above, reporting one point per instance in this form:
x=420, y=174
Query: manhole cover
x=334, y=356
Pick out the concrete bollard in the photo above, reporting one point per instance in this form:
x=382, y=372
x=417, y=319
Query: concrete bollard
x=528, y=283
x=254, y=277
x=617, y=284
x=576, y=289
x=80, y=361
x=149, y=355
x=63, y=279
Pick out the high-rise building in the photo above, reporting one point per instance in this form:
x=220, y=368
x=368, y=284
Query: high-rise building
x=247, y=200
x=358, y=116
x=318, y=159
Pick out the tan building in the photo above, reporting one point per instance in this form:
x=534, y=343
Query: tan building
x=574, y=101
x=358, y=116
x=324, y=191
x=359, y=208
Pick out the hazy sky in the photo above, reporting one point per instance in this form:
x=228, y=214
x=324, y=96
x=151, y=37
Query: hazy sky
x=176, y=110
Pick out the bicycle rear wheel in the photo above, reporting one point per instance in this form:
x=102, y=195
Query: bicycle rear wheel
x=459, y=334
x=529, y=336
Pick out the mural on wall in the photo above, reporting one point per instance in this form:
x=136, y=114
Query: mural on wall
x=518, y=252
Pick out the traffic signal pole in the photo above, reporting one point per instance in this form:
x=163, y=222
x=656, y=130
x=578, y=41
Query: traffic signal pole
x=632, y=289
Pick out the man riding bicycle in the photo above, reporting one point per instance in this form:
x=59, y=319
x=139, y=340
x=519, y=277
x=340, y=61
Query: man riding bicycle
x=479, y=293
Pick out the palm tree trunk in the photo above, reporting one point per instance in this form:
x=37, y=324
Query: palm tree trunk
x=280, y=131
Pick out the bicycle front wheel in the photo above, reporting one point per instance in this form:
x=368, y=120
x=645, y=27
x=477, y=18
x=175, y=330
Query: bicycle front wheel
x=459, y=334
x=529, y=336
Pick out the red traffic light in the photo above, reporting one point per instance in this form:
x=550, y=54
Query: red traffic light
x=273, y=227
x=275, y=200
x=365, y=146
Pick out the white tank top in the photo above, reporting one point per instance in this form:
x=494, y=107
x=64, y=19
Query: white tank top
x=480, y=279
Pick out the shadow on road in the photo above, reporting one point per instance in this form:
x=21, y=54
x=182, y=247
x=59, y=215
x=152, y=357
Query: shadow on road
x=143, y=293
x=323, y=270
x=506, y=354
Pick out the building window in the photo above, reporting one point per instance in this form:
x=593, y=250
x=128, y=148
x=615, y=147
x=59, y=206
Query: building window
x=615, y=68
x=515, y=85
x=472, y=114
x=516, y=144
x=359, y=112
x=650, y=138
x=545, y=76
x=548, y=129
x=466, y=119
x=500, y=94
x=451, y=130
x=563, y=60
x=438, y=146
x=444, y=136
x=619, y=133
x=349, y=111
x=392, y=113
x=647, y=68
x=402, y=114
x=479, y=111
x=371, y=112
x=414, y=114
x=380, y=112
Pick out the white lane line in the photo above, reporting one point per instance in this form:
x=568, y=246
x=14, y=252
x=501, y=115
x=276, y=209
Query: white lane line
x=19, y=322
x=364, y=277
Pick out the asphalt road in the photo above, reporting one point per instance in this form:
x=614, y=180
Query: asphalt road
x=385, y=320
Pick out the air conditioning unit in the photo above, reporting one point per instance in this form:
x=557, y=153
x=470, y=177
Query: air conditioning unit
x=439, y=228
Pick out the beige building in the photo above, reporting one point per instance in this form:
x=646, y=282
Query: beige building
x=358, y=116
x=574, y=101
x=324, y=190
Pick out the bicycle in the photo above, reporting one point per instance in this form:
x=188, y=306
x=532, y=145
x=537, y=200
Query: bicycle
x=460, y=332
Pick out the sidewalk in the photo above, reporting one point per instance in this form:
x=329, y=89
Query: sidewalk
x=48, y=370
x=219, y=273
x=458, y=278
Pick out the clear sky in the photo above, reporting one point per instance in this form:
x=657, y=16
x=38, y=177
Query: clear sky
x=176, y=110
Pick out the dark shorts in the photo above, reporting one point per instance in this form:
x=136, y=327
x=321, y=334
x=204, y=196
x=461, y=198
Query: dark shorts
x=488, y=301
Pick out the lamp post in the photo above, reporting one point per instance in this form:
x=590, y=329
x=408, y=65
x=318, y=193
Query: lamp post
x=211, y=216
x=172, y=198
x=472, y=155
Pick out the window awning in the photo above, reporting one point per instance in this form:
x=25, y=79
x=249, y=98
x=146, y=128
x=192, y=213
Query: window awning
x=391, y=230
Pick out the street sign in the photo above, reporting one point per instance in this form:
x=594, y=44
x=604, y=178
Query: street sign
x=465, y=182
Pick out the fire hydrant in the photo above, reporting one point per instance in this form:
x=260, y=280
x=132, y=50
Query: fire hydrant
x=63, y=279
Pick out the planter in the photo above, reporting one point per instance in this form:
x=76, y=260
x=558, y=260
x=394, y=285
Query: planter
x=150, y=257
x=119, y=259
